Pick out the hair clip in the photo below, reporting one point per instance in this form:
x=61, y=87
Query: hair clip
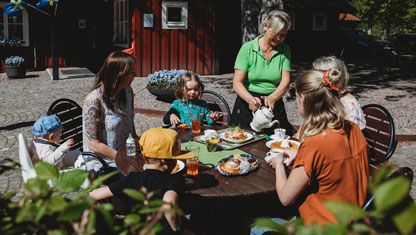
x=328, y=83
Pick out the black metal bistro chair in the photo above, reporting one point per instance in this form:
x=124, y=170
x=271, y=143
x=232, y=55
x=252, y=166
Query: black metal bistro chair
x=218, y=104
x=379, y=132
x=70, y=114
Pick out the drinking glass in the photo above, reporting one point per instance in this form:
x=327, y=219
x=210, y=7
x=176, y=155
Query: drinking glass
x=193, y=163
x=196, y=124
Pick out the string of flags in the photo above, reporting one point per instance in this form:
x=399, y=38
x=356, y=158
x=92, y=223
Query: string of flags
x=17, y=5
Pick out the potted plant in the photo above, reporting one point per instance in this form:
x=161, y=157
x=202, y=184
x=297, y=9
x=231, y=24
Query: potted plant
x=15, y=67
x=163, y=83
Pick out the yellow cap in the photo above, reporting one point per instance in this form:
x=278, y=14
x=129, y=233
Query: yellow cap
x=162, y=143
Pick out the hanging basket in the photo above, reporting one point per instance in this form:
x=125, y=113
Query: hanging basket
x=15, y=71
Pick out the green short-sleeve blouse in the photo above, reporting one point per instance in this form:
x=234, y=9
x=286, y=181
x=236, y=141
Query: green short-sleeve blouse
x=262, y=76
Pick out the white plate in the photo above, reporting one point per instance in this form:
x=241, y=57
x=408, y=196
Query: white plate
x=180, y=163
x=181, y=166
x=248, y=135
x=275, y=138
x=270, y=142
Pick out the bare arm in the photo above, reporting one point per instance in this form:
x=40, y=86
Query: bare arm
x=240, y=89
x=92, y=119
x=289, y=189
x=132, y=104
x=280, y=90
x=171, y=197
x=101, y=193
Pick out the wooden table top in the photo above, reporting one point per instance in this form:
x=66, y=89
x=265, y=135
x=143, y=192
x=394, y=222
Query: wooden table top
x=209, y=182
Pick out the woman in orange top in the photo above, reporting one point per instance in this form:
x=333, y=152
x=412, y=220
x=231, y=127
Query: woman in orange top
x=331, y=163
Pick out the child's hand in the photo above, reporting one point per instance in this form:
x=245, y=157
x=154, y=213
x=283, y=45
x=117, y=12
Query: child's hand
x=174, y=119
x=69, y=143
x=214, y=116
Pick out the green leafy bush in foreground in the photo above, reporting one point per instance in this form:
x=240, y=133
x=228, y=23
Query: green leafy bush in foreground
x=393, y=212
x=45, y=210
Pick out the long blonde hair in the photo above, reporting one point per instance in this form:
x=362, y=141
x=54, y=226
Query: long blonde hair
x=332, y=62
x=321, y=106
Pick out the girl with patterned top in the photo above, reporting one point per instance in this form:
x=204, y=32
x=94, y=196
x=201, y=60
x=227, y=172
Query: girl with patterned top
x=188, y=106
x=353, y=111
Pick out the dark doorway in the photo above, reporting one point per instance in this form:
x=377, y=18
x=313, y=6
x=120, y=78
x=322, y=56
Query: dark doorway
x=227, y=35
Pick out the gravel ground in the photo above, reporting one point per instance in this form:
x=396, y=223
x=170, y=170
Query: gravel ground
x=24, y=100
x=394, y=90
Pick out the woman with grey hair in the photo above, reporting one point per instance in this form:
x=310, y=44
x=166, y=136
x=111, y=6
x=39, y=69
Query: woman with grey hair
x=262, y=73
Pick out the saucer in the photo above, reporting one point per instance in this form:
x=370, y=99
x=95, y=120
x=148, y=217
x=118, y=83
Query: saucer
x=274, y=137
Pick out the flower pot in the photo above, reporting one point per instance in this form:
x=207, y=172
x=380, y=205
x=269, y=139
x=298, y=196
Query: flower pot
x=15, y=71
x=162, y=94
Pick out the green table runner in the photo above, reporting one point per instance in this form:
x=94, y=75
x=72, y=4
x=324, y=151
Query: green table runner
x=211, y=157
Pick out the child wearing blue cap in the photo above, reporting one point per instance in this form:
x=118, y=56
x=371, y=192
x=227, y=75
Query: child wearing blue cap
x=45, y=145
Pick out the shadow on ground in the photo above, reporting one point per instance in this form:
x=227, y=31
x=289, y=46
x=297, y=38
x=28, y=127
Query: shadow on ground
x=15, y=126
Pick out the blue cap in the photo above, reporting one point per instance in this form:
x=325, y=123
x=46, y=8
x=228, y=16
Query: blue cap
x=46, y=125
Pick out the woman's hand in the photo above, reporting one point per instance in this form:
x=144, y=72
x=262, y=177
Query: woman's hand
x=290, y=155
x=254, y=103
x=214, y=116
x=174, y=119
x=276, y=162
x=269, y=100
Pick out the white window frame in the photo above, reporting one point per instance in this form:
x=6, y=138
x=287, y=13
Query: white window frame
x=184, y=15
x=319, y=27
x=121, y=19
x=25, y=23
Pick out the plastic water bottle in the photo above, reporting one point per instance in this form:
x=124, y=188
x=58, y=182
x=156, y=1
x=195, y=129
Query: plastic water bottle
x=130, y=146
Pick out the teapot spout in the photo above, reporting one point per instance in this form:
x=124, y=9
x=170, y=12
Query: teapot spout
x=272, y=123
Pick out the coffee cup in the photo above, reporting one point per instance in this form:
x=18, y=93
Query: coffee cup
x=280, y=133
x=210, y=134
x=273, y=153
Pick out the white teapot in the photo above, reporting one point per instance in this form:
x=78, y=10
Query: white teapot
x=262, y=118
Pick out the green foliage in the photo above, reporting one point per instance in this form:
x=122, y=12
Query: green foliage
x=386, y=17
x=45, y=209
x=394, y=212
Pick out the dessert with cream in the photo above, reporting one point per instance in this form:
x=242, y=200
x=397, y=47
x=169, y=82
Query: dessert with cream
x=285, y=144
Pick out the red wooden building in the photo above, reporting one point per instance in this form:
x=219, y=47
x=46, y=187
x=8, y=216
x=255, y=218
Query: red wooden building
x=200, y=35
x=203, y=36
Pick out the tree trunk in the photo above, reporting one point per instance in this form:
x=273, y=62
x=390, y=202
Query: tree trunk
x=253, y=13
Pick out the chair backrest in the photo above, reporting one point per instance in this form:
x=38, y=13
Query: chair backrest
x=404, y=171
x=379, y=132
x=70, y=114
x=218, y=104
x=28, y=171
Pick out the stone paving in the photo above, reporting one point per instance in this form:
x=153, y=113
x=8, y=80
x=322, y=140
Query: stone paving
x=25, y=100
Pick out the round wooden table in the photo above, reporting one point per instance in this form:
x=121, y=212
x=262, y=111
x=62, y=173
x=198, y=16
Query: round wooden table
x=224, y=197
x=209, y=182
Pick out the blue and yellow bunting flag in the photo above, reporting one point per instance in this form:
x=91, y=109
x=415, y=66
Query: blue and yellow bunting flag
x=43, y=3
x=14, y=6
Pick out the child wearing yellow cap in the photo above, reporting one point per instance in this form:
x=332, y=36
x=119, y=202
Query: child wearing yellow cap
x=160, y=148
